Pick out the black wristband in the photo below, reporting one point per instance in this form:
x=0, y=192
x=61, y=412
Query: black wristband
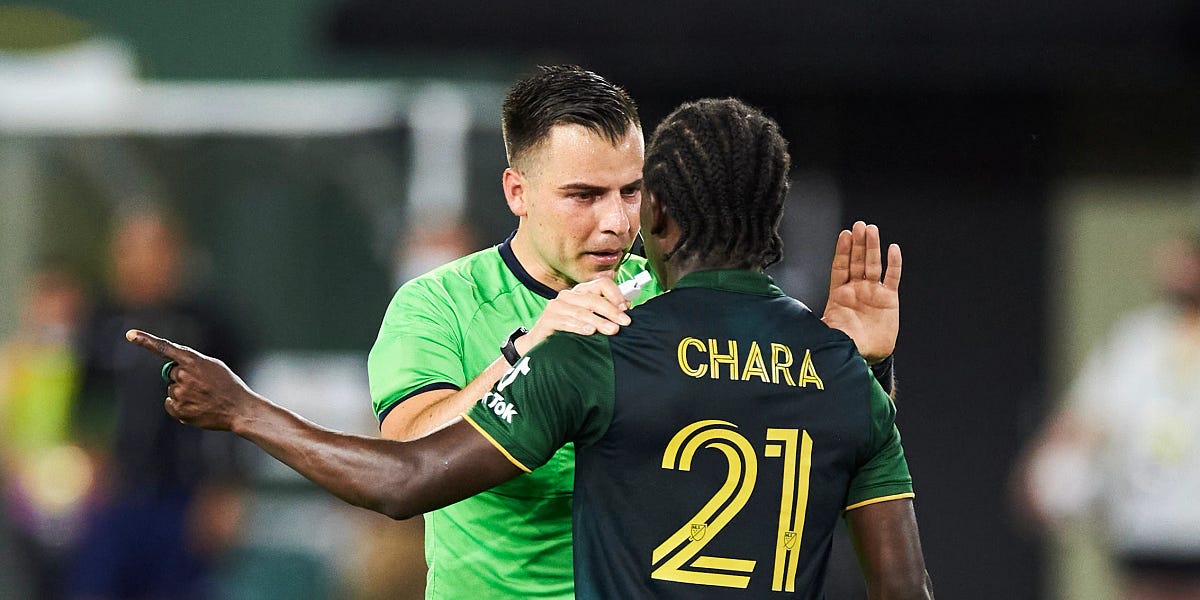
x=882, y=371
x=509, y=349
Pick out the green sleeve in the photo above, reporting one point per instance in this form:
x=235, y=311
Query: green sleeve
x=884, y=473
x=419, y=346
x=560, y=392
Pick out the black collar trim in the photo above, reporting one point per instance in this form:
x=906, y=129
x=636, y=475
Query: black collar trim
x=514, y=265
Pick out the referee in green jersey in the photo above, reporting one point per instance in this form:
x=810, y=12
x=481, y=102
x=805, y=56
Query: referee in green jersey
x=719, y=436
x=575, y=151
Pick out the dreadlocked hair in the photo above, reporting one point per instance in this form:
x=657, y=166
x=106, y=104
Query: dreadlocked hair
x=720, y=169
x=560, y=94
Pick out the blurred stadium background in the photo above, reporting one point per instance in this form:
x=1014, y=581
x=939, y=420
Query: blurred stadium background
x=1026, y=156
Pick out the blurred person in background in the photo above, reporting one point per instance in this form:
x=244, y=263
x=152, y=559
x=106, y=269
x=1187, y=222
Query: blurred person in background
x=44, y=477
x=171, y=499
x=1126, y=443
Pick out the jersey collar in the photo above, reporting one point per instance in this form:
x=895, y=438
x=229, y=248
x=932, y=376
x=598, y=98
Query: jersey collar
x=514, y=265
x=731, y=280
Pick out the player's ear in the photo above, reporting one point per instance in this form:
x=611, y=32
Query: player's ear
x=515, y=186
x=658, y=227
x=654, y=214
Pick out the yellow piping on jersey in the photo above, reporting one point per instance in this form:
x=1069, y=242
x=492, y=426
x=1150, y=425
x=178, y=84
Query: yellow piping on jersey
x=878, y=500
x=496, y=444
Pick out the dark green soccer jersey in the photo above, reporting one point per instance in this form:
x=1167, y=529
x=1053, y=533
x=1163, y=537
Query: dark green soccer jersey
x=718, y=439
x=440, y=331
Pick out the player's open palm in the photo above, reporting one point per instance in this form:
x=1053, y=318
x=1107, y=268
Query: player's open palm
x=860, y=304
x=201, y=390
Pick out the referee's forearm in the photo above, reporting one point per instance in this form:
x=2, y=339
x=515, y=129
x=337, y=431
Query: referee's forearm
x=418, y=417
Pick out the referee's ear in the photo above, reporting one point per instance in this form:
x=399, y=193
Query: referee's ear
x=514, y=184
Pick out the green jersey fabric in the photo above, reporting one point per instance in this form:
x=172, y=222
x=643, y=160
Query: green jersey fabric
x=718, y=438
x=440, y=331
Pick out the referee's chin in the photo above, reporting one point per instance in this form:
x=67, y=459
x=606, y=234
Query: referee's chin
x=609, y=272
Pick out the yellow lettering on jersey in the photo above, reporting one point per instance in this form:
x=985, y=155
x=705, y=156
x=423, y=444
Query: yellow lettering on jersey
x=715, y=359
x=781, y=359
x=808, y=373
x=684, y=365
x=754, y=365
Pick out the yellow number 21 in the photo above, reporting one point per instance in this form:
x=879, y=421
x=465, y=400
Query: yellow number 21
x=677, y=556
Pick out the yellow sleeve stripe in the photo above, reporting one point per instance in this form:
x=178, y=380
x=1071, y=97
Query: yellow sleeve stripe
x=496, y=444
x=874, y=500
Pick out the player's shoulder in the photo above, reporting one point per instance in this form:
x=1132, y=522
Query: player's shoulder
x=817, y=328
x=571, y=357
x=567, y=345
x=830, y=350
x=833, y=347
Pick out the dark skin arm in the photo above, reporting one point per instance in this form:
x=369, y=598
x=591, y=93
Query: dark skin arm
x=889, y=549
x=398, y=479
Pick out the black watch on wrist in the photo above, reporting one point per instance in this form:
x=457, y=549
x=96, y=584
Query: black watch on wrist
x=509, y=349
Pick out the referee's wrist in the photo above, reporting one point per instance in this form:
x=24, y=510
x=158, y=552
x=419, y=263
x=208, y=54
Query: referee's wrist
x=523, y=344
x=509, y=348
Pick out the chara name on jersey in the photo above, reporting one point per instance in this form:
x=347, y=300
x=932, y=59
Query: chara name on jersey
x=748, y=365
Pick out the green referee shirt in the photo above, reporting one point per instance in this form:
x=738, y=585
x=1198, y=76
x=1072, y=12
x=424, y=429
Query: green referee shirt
x=440, y=331
x=718, y=439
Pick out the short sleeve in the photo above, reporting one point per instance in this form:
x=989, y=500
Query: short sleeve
x=884, y=474
x=560, y=392
x=419, y=347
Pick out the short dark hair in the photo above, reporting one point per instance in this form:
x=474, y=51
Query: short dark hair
x=563, y=94
x=720, y=169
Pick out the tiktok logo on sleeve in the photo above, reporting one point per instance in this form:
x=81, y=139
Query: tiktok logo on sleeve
x=504, y=409
x=498, y=404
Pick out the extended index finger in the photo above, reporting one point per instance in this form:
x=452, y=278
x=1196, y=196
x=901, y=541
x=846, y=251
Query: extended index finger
x=164, y=348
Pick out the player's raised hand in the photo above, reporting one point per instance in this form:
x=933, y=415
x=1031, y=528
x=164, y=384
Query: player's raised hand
x=201, y=390
x=860, y=304
x=590, y=307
